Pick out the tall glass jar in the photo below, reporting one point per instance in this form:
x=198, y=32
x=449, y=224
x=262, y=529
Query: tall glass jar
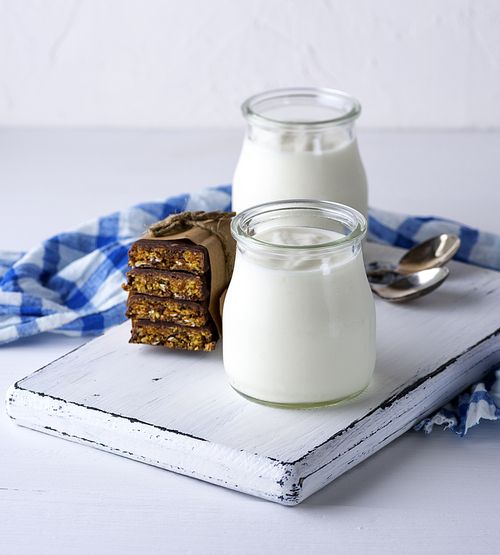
x=299, y=316
x=300, y=143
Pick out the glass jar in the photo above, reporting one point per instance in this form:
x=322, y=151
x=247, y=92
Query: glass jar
x=300, y=143
x=299, y=316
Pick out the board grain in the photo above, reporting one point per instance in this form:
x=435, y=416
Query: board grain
x=175, y=410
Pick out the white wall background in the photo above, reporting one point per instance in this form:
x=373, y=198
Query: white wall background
x=190, y=63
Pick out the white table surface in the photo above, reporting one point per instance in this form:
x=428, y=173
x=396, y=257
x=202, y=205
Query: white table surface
x=434, y=493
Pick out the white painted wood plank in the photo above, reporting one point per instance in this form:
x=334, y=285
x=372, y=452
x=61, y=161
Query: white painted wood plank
x=175, y=410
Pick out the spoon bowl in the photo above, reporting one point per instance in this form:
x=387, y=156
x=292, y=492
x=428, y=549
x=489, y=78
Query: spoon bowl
x=433, y=253
x=411, y=286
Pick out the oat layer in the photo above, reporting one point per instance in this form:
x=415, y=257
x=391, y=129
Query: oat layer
x=164, y=254
x=173, y=336
x=179, y=285
x=186, y=313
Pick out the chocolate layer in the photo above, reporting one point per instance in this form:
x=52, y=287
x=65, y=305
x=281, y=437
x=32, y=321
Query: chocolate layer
x=179, y=285
x=186, y=313
x=173, y=255
x=173, y=336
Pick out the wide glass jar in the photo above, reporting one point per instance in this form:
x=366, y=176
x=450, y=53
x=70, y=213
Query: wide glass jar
x=299, y=316
x=300, y=143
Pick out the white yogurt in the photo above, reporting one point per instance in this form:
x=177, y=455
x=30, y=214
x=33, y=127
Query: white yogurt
x=274, y=167
x=299, y=329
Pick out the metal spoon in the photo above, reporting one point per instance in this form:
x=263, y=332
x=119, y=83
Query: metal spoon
x=432, y=253
x=411, y=286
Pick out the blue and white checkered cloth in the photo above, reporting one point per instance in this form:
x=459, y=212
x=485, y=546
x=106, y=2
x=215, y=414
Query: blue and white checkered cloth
x=71, y=283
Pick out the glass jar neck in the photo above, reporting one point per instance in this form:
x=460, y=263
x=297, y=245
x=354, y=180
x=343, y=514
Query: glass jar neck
x=300, y=109
x=301, y=120
x=314, y=140
x=341, y=231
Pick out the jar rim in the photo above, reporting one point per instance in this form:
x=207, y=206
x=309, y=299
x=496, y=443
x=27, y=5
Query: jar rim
x=349, y=217
x=322, y=96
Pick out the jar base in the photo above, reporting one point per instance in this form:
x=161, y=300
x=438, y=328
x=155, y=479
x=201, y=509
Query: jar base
x=300, y=406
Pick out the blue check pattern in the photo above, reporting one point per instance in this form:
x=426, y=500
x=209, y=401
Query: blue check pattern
x=71, y=283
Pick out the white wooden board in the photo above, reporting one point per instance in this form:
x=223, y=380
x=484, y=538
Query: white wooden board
x=176, y=411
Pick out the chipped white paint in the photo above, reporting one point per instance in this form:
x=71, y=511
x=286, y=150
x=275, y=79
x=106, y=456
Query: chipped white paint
x=171, y=64
x=175, y=410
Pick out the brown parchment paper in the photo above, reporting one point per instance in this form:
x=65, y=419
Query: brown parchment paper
x=220, y=268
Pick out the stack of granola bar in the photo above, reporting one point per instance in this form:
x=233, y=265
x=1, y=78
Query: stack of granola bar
x=169, y=289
